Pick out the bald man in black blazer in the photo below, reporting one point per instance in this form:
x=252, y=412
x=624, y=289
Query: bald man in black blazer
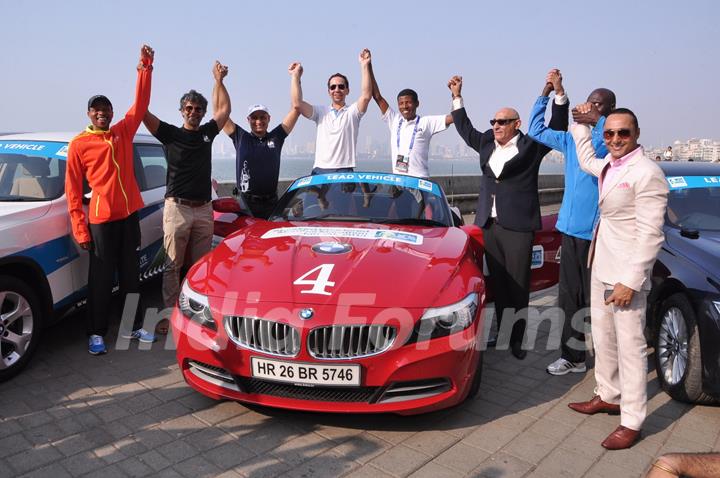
x=508, y=208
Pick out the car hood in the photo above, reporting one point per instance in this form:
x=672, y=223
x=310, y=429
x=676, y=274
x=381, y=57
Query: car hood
x=390, y=265
x=703, y=251
x=12, y=213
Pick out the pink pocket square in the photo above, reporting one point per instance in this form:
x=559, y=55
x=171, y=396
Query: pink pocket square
x=623, y=186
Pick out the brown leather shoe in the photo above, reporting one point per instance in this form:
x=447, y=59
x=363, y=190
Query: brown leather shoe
x=621, y=438
x=596, y=405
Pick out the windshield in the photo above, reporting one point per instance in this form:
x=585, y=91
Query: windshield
x=31, y=170
x=364, y=197
x=30, y=178
x=695, y=203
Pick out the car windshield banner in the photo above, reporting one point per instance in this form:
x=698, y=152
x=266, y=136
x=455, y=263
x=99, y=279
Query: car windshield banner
x=43, y=149
x=346, y=232
x=693, y=182
x=370, y=178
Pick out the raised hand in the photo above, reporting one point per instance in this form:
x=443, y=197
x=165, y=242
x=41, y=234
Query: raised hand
x=147, y=55
x=553, y=81
x=364, y=57
x=455, y=85
x=220, y=71
x=295, y=69
x=586, y=113
x=554, y=77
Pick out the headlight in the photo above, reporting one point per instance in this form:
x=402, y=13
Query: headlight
x=196, y=307
x=717, y=306
x=441, y=321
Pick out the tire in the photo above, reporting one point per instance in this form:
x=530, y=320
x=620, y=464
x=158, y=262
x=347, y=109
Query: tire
x=21, y=321
x=677, y=351
x=475, y=385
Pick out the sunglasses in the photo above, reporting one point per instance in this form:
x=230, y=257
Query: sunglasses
x=502, y=122
x=340, y=87
x=622, y=133
x=190, y=109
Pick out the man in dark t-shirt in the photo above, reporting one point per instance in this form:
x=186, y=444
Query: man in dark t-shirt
x=257, y=157
x=187, y=216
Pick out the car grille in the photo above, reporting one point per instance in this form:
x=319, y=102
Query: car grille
x=350, y=341
x=262, y=335
x=325, y=394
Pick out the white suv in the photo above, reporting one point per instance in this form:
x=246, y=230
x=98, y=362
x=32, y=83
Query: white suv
x=43, y=272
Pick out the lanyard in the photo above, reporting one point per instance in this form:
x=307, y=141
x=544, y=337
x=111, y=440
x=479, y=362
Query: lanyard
x=412, y=140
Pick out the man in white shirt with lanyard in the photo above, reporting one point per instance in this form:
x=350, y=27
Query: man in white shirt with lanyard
x=410, y=133
x=337, y=124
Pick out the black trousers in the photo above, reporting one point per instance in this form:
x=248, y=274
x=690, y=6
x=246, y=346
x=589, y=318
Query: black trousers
x=574, y=296
x=113, y=249
x=508, y=254
x=261, y=207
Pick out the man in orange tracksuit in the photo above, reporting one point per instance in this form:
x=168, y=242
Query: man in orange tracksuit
x=103, y=154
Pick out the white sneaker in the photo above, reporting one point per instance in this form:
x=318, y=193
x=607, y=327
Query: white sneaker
x=562, y=367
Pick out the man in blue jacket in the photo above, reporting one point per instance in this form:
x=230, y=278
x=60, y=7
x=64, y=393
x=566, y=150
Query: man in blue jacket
x=577, y=217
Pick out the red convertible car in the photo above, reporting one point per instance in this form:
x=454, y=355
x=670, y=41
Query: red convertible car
x=363, y=292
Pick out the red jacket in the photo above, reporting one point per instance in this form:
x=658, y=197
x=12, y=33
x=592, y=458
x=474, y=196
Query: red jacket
x=105, y=158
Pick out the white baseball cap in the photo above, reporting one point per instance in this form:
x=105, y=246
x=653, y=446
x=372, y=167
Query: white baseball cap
x=258, y=107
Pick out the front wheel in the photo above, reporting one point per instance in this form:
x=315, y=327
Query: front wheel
x=21, y=319
x=677, y=351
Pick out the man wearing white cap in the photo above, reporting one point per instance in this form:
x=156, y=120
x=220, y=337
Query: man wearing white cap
x=257, y=157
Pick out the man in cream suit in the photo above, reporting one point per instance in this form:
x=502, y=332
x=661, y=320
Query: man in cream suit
x=632, y=199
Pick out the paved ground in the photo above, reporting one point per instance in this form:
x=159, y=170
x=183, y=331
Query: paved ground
x=129, y=413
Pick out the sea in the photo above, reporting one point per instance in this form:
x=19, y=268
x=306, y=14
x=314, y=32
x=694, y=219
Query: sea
x=293, y=167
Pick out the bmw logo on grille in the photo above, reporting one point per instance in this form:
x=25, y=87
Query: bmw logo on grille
x=306, y=314
x=331, y=248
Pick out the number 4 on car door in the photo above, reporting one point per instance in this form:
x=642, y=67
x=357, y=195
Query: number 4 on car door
x=320, y=283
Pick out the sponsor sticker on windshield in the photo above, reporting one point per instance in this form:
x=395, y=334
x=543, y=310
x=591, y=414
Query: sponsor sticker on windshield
x=693, y=182
x=44, y=149
x=370, y=178
x=425, y=185
x=303, y=182
x=677, y=182
x=348, y=232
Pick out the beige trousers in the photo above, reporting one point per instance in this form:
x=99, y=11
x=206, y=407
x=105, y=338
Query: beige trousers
x=620, y=353
x=188, y=233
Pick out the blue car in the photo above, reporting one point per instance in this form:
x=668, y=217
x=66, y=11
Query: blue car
x=684, y=303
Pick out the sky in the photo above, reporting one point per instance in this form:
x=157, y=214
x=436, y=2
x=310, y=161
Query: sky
x=660, y=57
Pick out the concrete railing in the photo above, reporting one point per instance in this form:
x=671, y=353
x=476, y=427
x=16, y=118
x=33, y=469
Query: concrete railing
x=461, y=191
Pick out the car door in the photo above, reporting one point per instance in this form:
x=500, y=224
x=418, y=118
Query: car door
x=151, y=175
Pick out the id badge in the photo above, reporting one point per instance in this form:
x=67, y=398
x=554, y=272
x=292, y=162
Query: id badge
x=402, y=163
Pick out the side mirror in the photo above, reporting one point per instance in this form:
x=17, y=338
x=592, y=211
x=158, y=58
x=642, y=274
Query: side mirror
x=457, y=216
x=690, y=233
x=227, y=204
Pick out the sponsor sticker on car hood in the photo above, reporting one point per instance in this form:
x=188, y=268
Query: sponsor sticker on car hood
x=346, y=232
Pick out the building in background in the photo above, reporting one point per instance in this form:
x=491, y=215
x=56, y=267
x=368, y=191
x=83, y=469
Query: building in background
x=695, y=149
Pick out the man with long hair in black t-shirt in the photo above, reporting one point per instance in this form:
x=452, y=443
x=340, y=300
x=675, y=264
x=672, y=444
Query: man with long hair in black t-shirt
x=187, y=216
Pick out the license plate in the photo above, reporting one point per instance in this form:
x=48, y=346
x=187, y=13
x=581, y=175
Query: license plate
x=305, y=373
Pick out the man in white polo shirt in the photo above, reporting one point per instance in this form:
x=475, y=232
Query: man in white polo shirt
x=410, y=133
x=337, y=124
